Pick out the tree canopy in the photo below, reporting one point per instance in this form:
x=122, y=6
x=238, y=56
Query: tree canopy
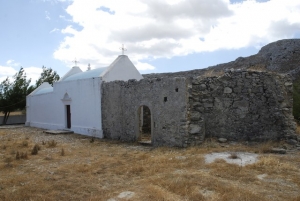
x=48, y=75
x=13, y=93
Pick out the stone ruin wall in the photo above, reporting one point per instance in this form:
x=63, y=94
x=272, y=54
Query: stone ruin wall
x=241, y=105
x=166, y=99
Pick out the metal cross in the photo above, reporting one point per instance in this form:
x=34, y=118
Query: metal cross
x=75, y=61
x=123, y=49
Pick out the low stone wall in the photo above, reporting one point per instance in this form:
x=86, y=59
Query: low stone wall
x=166, y=99
x=240, y=105
x=14, y=119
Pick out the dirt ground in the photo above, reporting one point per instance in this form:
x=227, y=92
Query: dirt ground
x=13, y=113
x=75, y=167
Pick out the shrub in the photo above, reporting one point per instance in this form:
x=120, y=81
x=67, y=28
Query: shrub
x=233, y=155
x=62, y=153
x=25, y=143
x=35, y=149
x=7, y=159
x=48, y=158
x=21, y=155
x=52, y=143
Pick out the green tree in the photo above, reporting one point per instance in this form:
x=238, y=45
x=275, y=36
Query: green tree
x=296, y=99
x=13, y=93
x=48, y=75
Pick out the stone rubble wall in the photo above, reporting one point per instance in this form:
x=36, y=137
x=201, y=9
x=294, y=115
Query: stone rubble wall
x=240, y=105
x=167, y=99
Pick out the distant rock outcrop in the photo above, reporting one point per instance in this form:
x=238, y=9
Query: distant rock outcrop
x=282, y=56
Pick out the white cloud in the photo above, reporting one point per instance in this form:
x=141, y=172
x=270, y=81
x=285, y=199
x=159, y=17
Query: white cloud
x=6, y=71
x=54, y=30
x=143, y=66
x=9, y=62
x=47, y=15
x=12, y=63
x=31, y=72
x=165, y=28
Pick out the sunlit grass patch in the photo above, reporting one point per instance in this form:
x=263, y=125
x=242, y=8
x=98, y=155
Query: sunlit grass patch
x=76, y=169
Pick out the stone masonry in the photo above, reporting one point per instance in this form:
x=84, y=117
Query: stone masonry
x=239, y=105
x=166, y=99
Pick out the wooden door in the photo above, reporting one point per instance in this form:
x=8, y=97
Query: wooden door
x=68, y=116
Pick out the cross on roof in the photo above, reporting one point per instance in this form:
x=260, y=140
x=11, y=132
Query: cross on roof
x=75, y=61
x=123, y=49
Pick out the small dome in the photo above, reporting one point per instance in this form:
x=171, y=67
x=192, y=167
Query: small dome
x=87, y=74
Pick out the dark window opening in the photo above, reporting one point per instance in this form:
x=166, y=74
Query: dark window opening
x=165, y=99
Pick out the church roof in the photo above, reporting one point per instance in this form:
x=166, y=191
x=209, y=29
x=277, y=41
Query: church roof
x=42, y=89
x=120, y=69
x=74, y=70
x=87, y=74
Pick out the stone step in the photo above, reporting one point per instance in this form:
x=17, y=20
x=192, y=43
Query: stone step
x=57, y=132
x=146, y=143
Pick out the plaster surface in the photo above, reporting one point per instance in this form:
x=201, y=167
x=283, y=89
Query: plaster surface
x=49, y=110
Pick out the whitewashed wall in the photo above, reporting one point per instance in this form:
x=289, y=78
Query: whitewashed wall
x=49, y=110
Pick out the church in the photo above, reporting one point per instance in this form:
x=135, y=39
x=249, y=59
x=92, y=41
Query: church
x=74, y=102
x=180, y=110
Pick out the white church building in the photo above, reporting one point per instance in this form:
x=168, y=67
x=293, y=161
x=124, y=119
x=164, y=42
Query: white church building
x=74, y=102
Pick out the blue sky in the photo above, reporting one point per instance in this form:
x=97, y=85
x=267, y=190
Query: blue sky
x=160, y=35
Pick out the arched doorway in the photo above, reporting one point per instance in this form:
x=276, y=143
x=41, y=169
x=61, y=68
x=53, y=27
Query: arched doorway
x=67, y=104
x=145, y=125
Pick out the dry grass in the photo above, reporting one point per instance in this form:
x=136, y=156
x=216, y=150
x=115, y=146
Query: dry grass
x=76, y=169
x=13, y=113
x=267, y=146
x=52, y=143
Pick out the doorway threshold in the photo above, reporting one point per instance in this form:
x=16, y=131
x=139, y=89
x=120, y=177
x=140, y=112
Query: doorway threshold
x=57, y=132
x=145, y=142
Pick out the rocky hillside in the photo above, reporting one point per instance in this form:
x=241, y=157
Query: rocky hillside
x=282, y=56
